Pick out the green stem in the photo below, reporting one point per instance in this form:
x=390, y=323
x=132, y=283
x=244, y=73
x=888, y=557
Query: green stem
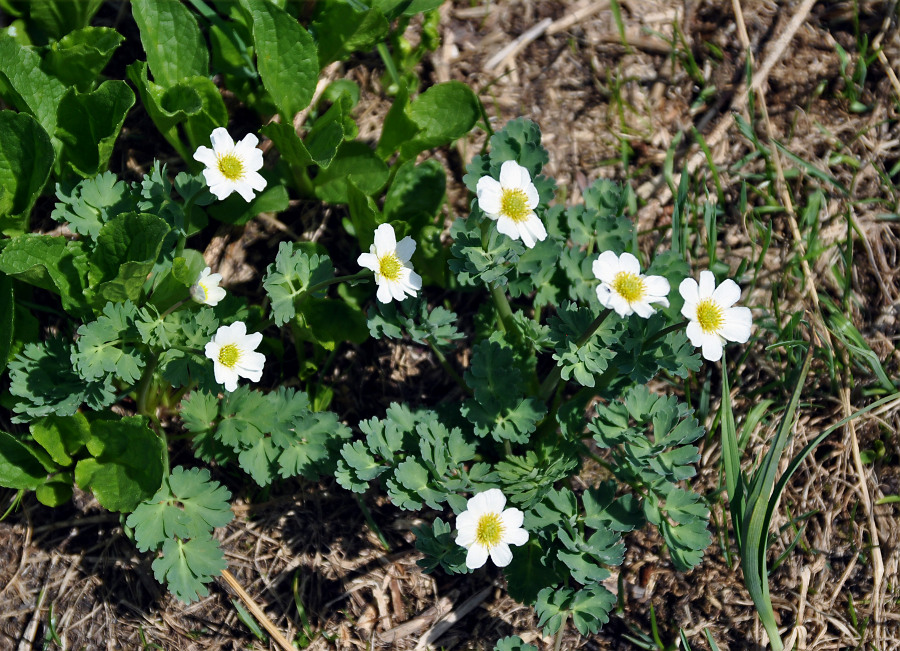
x=173, y=308
x=186, y=209
x=361, y=275
x=504, y=311
x=548, y=386
x=662, y=333
x=557, y=642
x=389, y=63
x=143, y=386
x=442, y=360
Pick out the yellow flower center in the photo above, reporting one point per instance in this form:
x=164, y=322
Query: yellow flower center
x=710, y=316
x=229, y=354
x=389, y=266
x=514, y=204
x=489, y=531
x=629, y=286
x=231, y=167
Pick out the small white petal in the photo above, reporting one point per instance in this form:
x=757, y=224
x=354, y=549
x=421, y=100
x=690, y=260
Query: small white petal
x=516, y=537
x=629, y=264
x=206, y=156
x=396, y=290
x=604, y=295
x=255, y=180
x=507, y=227
x=656, y=286
x=405, y=249
x=536, y=227
x=511, y=177
x=532, y=195
x=643, y=309
x=727, y=294
x=525, y=234
x=689, y=291
x=465, y=537
x=221, y=141
x=244, y=189
x=215, y=295
x=712, y=347
x=738, y=322
x=501, y=554
x=385, y=239
x=606, y=266
x=368, y=260
x=694, y=333
x=512, y=518
x=383, y=292
x=707, y=284
x=620, y=305
x=490, y=194
x=476, y=557
x=414, y=281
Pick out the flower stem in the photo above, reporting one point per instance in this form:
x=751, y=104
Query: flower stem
x=548, y=386
x=442, y=360
x=186, y=209
x=172, y=309
x=143, y=386
x=504, y=311
x=337, y=279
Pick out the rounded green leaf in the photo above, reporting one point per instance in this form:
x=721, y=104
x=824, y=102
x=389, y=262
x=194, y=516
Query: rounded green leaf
x=26, y=156
x=19, y=465
x=172, y=40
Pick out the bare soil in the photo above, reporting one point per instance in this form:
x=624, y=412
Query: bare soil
x=608, y=106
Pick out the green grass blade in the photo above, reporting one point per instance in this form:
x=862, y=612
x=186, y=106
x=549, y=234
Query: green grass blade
x=731, y=460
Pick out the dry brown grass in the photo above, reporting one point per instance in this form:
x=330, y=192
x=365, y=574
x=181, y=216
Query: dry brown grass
x=590, y=94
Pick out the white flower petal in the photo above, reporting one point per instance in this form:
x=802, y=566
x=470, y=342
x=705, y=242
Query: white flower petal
x=465, y=537
x=536, y=227
x=215, y=295
x=414, y=281
x=255, y=180
x=368, y=260
x=656, y=286
x=512, y=518
x=727, y=294
x=712, y=347
x=396, y=290
x=516, y=537
x=531, y=193
x=467, y=520
x=508, y=227
x=604, y=295
x=620, y=305
x=384, y=292
x=643, y=309
x=501, y=554
x=606, y=266
x=489, y=193
x=246, y=146
x=629, y=264
x=525, y=234
x=738, y=322
x=206, y=156
x=244, y=189
x=385, y=239
x=221, y=141
x=694, y=333
x=689, y=292
x=405, y=249
x=707, y=284
x=511, y=176
x=476, y=557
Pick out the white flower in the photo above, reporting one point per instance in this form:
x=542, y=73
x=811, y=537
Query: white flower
x=232, y=167
x=511, y=202
x=234, y=355
x=389, y=259
x=486, y=529
x=206, y=290
x=625, y=289
x=713, y=320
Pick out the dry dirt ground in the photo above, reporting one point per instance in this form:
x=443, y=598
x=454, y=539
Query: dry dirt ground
x=610, y=103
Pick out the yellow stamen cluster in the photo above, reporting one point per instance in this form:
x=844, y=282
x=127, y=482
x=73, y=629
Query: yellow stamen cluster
x=231, y=167
x=389, y=266
x=229, y=354
x=514, y=204
x=629, y=286
x=489, y=531
x=710, y=316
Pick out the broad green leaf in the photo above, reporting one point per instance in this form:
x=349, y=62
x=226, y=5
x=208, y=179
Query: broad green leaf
x=333, y=321
x=89, y=123
x=328, y=131
x=172, y=40
x=33, y=90
x=26, y=157
x=127, y=248
x=416, y=193
x=188, y=505
x=126, y=467
x=398, y=127
x=20, y=467
x=288, y=144
x=78, y=58
x=364, y=216
x=55, y=492
x=285, y=57
x=356, y=161
x=443, y=113
x=342, y=28
x=51, y=263
x=187, y=566
x=528, y=572
x=58, y=17
x=7, y=319
x=61, y=436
